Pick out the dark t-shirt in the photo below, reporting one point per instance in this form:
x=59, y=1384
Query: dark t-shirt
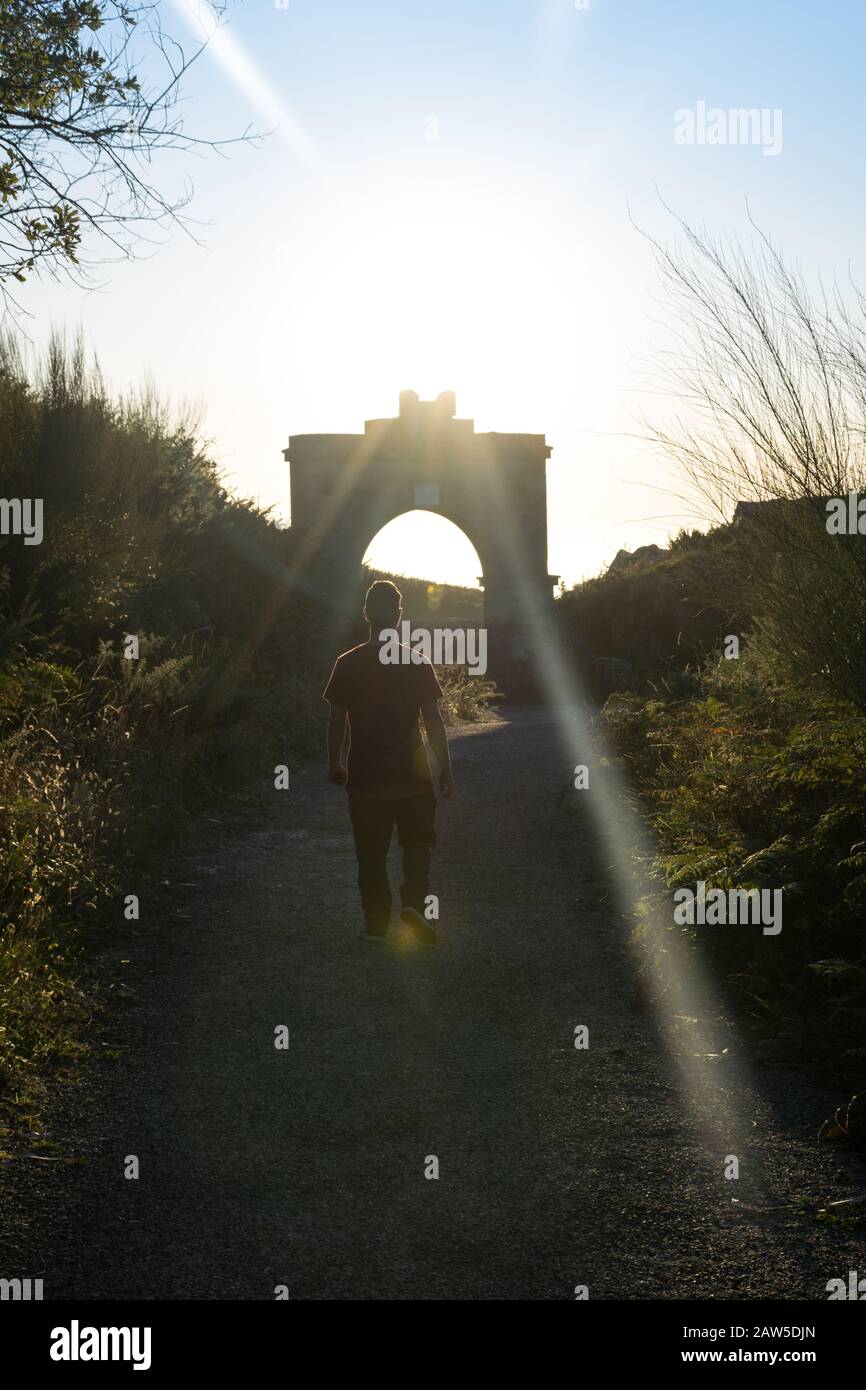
x=387, y=757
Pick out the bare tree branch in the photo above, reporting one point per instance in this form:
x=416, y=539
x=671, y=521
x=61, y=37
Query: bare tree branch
x=79, y=132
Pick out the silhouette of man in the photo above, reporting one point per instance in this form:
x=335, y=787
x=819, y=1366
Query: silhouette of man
x=388, y=775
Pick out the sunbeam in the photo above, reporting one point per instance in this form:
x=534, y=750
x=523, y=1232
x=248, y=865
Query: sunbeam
x=248, y=78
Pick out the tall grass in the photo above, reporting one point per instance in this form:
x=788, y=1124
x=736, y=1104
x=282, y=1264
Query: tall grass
x=753, y=771
x=768, y=380
x=101, y=755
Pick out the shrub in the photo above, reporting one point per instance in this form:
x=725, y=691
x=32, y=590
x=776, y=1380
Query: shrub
x=101, y=755
x=761, y=783
x=466, y=698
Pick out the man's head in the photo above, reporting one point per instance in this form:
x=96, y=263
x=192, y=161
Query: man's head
x=383, y=605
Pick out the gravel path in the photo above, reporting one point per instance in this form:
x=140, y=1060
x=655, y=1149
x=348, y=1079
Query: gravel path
x=306, y=1167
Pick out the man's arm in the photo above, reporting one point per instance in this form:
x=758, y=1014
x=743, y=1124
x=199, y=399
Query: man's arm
x=336, y=742
x=439, y=743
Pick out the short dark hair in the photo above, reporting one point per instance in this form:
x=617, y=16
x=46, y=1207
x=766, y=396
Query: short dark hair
x=383, y=603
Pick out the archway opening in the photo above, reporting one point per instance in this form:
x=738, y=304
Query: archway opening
x=433, y=563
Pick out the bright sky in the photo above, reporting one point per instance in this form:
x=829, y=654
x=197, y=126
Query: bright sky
x=444, y=204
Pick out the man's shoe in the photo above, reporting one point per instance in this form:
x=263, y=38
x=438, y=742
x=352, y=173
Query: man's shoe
x=368, y=935
x=421, y=930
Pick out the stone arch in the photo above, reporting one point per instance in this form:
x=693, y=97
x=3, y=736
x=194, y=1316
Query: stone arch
x=346, y=487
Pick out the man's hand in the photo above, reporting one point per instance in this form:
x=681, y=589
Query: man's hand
x=337, y=775
x=439, y=743
x=446, y=784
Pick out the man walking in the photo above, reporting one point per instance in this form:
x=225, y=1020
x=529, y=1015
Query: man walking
x=388, y=775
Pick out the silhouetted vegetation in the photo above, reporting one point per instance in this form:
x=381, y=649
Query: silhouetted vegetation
x=660, y=614
x=752, y=771
x=99, y=754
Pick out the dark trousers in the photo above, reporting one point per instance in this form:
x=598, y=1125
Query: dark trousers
x=373, y=825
